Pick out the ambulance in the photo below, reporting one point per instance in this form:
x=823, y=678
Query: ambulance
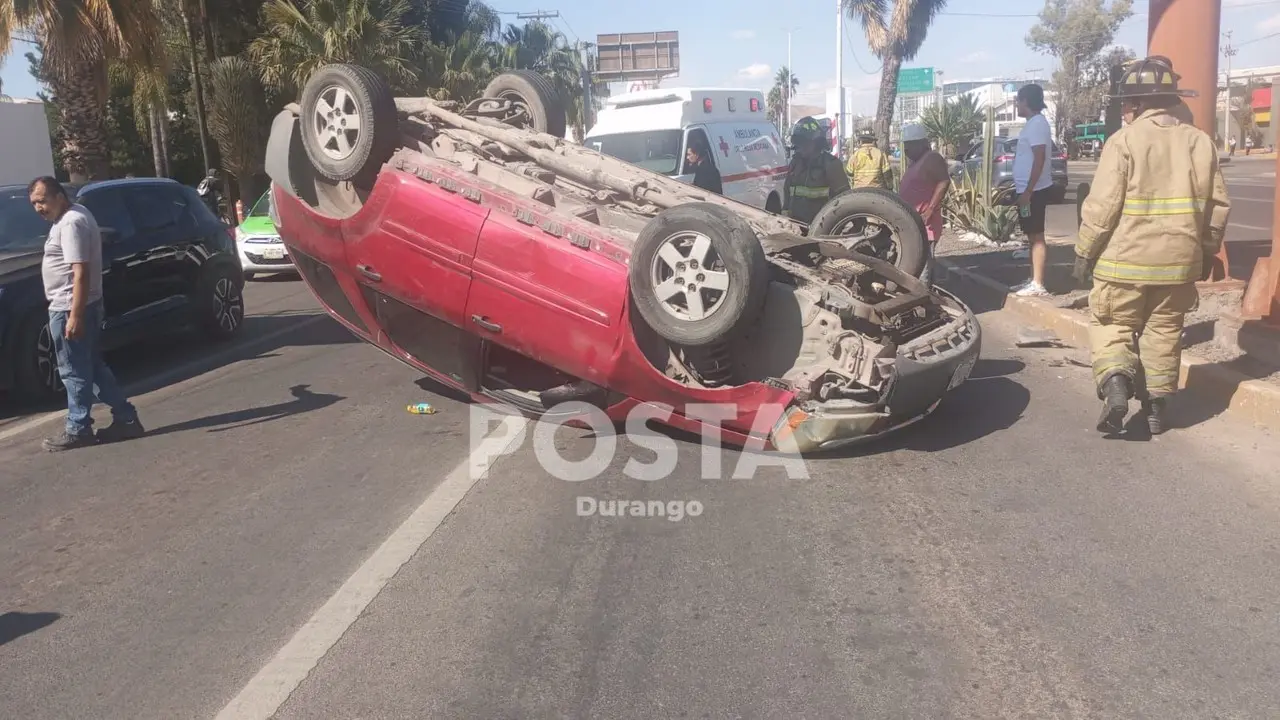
x=654, y=128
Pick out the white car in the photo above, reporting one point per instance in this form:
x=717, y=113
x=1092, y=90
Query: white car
x=259, y=244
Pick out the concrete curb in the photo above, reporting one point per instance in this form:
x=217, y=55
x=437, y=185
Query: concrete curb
x=1220, y=386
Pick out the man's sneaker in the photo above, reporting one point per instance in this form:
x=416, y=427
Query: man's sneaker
x=1115, y=404
x=1031, y=289
x=66, y=441
x=118, y=431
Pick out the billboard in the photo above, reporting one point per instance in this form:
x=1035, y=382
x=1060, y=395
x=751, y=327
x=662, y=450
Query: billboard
x=636, y=57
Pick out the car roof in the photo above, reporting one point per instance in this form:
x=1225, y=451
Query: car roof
x=130, y=182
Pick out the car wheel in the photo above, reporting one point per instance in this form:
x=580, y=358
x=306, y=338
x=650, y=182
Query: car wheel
x=884, y=226
x=698, y=274
x=349, y=123
x=36, y=376
x=221, y=304
x=534, y=94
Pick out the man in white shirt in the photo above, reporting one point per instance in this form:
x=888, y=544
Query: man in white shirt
x=1033, y=181
x=72, y=271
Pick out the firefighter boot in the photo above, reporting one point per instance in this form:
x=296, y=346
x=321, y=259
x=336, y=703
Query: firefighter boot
x=1115, y=393
x=1155, y=415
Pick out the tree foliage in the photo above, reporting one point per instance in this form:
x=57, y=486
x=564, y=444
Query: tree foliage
x=895, y=30
x=954, y=123
x=1078, y=33
x=238, y=119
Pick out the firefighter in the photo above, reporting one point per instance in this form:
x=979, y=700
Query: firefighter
x=1150, y=228
x=868, y=165
x=815, y=175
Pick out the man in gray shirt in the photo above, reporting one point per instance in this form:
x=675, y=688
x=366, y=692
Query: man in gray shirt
x=72, y=271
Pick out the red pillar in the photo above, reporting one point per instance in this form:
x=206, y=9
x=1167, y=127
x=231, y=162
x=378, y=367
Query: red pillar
x=1187, y=32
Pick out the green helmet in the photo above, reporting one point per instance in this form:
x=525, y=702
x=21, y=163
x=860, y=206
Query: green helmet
x=807, y=130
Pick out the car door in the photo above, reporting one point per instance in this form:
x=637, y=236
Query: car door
x=410, y=249
x=542, y=288
x=121, y=252
x=164, y=270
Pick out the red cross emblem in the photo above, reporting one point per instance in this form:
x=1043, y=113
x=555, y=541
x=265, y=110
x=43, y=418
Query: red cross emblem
x=724, y=147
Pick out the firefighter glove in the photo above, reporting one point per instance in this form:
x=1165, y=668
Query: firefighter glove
x=1082, y=270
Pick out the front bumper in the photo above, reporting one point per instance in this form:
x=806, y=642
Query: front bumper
x=264, y=256
x=925, y=370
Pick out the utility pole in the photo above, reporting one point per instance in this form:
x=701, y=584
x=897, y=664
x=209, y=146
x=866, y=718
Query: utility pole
x=588, y=105
x=786, y=91
x=1229, y=52
x=840, y=77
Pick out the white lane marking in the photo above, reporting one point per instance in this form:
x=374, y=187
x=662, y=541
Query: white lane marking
x=165, y=376
x=1248, y=227
x=1235, y=200
x=274, y=683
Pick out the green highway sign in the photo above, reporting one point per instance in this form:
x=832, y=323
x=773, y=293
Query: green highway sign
x=912, y=81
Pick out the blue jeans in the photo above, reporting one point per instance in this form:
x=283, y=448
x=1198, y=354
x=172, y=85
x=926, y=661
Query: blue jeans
x=84, y=373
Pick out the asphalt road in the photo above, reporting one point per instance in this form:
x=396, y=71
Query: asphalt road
x=289, y=537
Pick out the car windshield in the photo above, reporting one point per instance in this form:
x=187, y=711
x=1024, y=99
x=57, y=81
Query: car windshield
x=20, y=227
x=654, y=150
x=263, y=206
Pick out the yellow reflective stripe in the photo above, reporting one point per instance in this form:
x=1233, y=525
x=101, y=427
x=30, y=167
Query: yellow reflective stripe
x=1147, y=207
x=1130, y=272
x=810, y=192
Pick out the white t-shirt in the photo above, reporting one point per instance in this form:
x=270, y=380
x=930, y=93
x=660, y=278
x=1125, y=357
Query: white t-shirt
x=1035, y=133
x=74, y=238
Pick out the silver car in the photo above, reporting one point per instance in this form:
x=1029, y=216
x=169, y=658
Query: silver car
x=1002, y=166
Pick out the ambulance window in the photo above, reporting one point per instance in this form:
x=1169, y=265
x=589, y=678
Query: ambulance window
x=697, y=139
x=654, y=150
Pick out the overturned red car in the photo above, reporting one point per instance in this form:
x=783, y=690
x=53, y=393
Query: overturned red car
x=478, y=245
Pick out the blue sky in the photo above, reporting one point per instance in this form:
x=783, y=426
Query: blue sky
x=741, y=43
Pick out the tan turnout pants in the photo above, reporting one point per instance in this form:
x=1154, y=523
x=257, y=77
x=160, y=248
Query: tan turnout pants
x=1136, y=331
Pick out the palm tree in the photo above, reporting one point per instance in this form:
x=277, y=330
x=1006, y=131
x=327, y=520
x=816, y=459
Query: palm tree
x=373, y=33
x=78, y=38
x=895, y=30
x=239, y=120
x=458, y=68
x=953, y=123
x=773, y=106
x=786, y=84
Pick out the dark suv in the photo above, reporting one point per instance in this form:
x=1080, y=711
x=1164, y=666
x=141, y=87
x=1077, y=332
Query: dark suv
x=168, y=263
x=1002, y=166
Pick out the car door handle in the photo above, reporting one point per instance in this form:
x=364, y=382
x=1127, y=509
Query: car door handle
x=368, y=272
x=484, y=323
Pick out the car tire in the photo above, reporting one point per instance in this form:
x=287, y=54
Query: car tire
x=220, y=304
x=906, y=227
x=35, y=371
x=533, y=92
x=353, y=92
x=720, y=237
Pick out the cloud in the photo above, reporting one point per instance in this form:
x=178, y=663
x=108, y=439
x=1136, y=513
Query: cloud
x=743, y=34
x=755, y=71
x=976, y=57
x=1271, y=23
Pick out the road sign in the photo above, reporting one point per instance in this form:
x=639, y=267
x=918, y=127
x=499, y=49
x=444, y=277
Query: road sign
x=913, y=81
x=631, y=57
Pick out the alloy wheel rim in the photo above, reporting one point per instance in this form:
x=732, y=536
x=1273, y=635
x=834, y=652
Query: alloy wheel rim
x=687, y=266
x=228, y=304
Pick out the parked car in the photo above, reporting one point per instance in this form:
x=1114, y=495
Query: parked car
x=1002, y=166
x=168, y=263
x=522, y=269
x=258, y=243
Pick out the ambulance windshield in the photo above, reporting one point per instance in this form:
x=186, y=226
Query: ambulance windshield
x=654, y=150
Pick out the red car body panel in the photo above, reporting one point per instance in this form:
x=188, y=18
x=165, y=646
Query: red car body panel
x=555, y=293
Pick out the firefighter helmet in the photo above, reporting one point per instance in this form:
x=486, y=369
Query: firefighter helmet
x=807, y=130
x=1150, y=77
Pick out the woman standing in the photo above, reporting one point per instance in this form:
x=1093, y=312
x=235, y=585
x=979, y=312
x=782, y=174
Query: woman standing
x=1033, y=181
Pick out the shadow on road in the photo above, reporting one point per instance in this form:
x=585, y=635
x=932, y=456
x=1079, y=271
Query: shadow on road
x=148, y=366
x=14, y=625
x=303, y=401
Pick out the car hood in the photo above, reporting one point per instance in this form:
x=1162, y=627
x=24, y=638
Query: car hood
x=258, y=226
x=17, y=264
